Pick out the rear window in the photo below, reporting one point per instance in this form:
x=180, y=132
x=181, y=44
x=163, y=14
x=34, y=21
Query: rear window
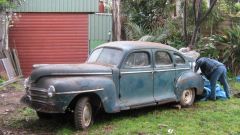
x=179, y=59
x=163, y=58
x=138, y=59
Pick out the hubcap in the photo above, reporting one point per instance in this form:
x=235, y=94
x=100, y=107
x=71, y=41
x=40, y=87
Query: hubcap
x=187, y=96
x=87, y=115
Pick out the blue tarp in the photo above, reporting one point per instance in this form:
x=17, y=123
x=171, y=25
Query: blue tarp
x=220, y=93
x=238, y=78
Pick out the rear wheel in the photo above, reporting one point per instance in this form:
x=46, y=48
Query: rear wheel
x=187, y=97
x=83, y=114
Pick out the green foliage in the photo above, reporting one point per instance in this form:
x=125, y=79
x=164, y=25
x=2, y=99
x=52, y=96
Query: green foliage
x=133, y=31
x=2, y=78
x=148, y=14
x=167, y=34
x=1, y=81
x=8, y=4
x=3, y=4
x=225, y=47
x=207, y=48
x=235, y=86
x=214, y=18
x=237, y=7
x=225, y=6
x=232, y=41
x=153, y=21
x=65, y=131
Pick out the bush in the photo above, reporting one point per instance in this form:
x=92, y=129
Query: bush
x=225, y=47
x=237, y=7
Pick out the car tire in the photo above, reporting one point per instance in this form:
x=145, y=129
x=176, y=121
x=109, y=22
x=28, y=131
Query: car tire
x=83, y=114
x=187, y=97
x=43, y=116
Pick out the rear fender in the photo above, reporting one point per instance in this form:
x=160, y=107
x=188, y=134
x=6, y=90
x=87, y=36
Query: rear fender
x=189, y=80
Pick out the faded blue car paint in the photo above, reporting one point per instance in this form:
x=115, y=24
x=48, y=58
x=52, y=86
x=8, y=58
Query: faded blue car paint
x=118, y=87
x=136, y=84
x=84, y=83
x=186, y=80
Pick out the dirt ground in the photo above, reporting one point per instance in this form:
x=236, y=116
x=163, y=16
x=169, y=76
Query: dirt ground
x=9, y=102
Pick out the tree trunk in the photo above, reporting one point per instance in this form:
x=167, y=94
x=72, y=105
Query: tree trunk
x=199, y=19
x=185, y=22
x=194, y=36
x=116, y=16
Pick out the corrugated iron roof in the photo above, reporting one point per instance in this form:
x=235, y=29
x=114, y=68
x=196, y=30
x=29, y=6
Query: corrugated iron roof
x=59, y=6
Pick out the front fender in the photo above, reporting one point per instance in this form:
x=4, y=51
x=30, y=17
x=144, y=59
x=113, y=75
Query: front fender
x=67, y=88
x=188, y=80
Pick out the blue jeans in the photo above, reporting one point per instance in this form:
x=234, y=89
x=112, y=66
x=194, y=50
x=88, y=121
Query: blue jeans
x=219, y=74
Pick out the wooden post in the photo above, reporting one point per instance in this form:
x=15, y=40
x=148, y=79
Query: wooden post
x=116, y=16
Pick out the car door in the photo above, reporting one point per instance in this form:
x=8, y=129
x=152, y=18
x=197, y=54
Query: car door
x=136, y=79
x=164, y=75
x=181, y=65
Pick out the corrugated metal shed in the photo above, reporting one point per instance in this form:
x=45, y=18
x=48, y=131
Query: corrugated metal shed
x=100, y=29
x=99, y=26
x=48, y=38
x=59, y=6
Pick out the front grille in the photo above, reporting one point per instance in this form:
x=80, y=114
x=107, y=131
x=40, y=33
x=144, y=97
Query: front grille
x=38, y=95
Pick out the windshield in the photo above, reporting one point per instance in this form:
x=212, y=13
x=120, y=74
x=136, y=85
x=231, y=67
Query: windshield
x=107, y=56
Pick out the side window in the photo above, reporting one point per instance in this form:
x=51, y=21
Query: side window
x=179, y=59
x=138, y=59
x=162, y=59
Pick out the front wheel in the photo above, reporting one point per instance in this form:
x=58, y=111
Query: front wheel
x=187, y=98
x=83, y=115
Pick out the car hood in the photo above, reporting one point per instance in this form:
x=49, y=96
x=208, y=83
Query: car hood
x=68, y=70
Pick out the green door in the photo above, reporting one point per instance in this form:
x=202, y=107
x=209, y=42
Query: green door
x=164, y=76
x=136, y=81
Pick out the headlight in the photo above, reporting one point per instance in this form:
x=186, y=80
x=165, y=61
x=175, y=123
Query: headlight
x=51, y=91
x=25, y=84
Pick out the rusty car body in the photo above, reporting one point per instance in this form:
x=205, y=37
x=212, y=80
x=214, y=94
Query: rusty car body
x=117, y=76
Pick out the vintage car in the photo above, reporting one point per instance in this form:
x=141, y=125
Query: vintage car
x=117, y=76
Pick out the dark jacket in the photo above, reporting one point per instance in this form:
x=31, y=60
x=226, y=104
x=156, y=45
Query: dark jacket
x=207, y=65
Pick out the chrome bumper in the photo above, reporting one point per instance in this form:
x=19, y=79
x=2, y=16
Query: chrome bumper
x=38, y=99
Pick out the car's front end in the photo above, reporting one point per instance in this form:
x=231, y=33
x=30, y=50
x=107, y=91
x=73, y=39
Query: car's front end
x=51, y=88
x=42, y=98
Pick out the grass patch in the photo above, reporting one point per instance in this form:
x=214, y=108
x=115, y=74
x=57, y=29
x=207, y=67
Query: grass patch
x=235, y=86
x=1, y=80
x=203, y=118
x=206, y=117
x=20, y=117
x=17, y=86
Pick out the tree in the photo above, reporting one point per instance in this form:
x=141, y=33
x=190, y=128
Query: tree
x=116, y=16
x=3, y=4
x=199, y=18
x=149, y=14
x=6, y=19
x=185, y=21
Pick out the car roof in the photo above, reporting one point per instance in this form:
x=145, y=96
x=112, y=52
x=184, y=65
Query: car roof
x=131, y=45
